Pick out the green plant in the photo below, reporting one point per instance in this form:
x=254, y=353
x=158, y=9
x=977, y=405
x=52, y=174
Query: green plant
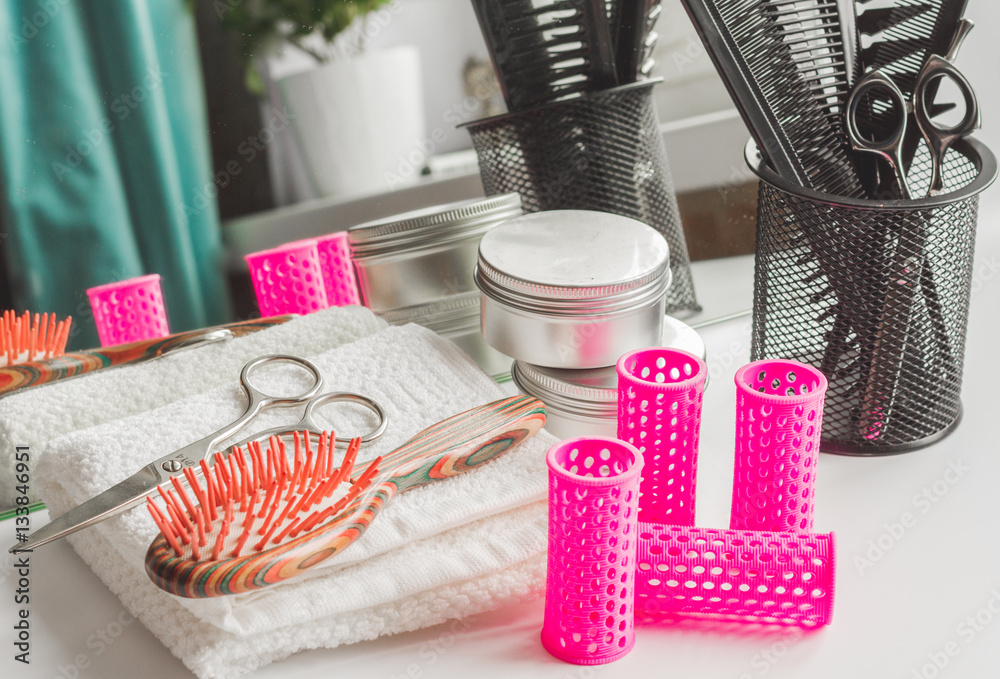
x=262, y=25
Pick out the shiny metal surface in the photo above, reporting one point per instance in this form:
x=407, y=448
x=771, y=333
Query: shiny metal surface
x=572, y=288
x=585, y=402
x=424, y=256
x=567, y=256
x=457, y=319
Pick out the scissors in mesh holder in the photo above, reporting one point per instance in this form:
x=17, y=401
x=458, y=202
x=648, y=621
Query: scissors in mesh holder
x=135, y=488
x=939, y=138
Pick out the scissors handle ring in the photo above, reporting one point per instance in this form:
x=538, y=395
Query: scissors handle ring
x=935, y=68
x=876, y=80
x=259, y=399
x=348, y=397
x=890, y=147
x=939, y=138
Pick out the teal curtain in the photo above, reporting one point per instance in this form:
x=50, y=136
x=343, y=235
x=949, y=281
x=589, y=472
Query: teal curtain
x=105, y=166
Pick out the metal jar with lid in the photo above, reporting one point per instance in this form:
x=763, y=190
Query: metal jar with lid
x=585, y=402
x=422, y=257
x=456, y=318
x=572, y=288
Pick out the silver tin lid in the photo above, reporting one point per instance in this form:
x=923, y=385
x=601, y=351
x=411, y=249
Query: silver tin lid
x=432, y=226
x=594, y=393
x=567, y=262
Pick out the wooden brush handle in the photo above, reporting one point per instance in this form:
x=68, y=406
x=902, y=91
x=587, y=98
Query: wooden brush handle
x=457, y=444
x=443, y=450
x=69, y=365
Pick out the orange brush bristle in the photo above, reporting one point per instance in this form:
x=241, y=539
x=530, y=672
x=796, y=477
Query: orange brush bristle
x=253, y=499
x=28, y=338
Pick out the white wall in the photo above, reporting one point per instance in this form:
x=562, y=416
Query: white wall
x=980, y=61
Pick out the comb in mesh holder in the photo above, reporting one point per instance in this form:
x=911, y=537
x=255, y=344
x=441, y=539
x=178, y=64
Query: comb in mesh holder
x=735, y=575
x=896, y=386
x=602, y=151
x=783, y=62
x=544, y=50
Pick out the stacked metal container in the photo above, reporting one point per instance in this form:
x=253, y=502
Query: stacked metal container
x=566, y=293
x=418, y=267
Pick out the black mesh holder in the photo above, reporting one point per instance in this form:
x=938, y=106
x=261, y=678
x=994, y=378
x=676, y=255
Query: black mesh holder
x=876, y=295
x=603, y=152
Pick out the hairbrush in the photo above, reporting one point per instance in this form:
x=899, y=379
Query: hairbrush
x=28, y=338
x=257, y=518
x=59, y=366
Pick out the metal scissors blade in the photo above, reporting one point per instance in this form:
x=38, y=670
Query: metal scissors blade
x=114, y=500
x=134, y=489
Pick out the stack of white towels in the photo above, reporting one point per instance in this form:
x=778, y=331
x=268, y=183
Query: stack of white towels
x=459, y=547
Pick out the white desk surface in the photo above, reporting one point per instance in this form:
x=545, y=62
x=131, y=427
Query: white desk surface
x=934, y=587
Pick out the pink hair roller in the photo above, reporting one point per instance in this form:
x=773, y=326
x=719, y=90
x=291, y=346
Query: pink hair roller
x=735, y=575
x=779, y=417
x=129, y=311
x=288, y=279
x=338, y=271
x=659, y=412
x=593, y=507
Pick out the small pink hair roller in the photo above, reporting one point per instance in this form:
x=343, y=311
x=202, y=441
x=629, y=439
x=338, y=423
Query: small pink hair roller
x=338, y=270
x=779, y=418
x=593, y=508
x=129, y=311
x=288, y=279
x=659, y=412
x=735, y=575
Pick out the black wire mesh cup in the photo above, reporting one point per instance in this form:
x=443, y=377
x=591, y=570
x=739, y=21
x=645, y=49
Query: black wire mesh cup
x=602, y=151
x=876, y=295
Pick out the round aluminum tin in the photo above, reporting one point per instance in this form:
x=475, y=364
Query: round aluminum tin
x=424, y=256
x=585, y=402
x=456, y=318
x=572, y=288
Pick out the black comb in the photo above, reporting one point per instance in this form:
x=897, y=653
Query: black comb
x=784, y=66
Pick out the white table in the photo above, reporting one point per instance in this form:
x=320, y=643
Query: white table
x=905, y=595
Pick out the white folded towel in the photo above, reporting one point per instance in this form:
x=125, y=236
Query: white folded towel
x=459, y=546
x=43, y=413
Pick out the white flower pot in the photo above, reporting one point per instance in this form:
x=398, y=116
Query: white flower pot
x=356, y=120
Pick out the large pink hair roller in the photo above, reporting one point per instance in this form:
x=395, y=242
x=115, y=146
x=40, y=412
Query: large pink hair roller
x=735, y=575
x=659, y=412
x=288, y=279
x=129, y=311
x=593, y=503
x=338, y=270
x=779, y=417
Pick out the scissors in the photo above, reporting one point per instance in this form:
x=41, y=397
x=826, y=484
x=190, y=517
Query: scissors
x=134, y=489
x=938, y=138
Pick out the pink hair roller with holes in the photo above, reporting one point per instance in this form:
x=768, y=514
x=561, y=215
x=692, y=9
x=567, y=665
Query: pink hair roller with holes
x=338, y=271
x=659, y=412
x=593, y=505
x=129, y=311
x=735, y=575
x=779, y=418
x=288, y=279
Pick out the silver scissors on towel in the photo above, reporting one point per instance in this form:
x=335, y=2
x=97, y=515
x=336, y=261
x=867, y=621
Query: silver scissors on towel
x=938, y=138
x=137, y=487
